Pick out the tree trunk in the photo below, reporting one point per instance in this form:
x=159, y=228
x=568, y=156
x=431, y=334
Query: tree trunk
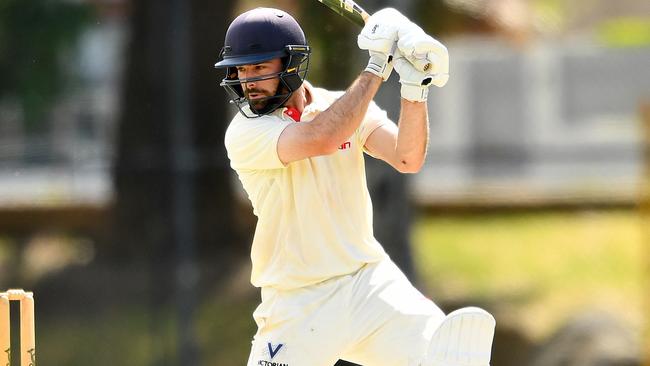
x=174, y=202
x=145, y=164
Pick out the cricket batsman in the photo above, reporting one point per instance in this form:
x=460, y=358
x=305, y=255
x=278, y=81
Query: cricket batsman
x=329, y=290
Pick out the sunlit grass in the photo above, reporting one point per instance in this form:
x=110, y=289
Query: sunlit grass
x=625, y=31
x=121, y=336
x=543, y=266
x=534, y=269
x=226, y=329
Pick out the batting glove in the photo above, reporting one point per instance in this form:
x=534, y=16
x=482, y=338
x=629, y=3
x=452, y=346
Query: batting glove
x=381, y=31
x=415, y=83
x=426, y=54
x=380, y=64
x=379, y=37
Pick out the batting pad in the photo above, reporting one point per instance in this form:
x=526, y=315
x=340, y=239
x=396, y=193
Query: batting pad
x=464, y=338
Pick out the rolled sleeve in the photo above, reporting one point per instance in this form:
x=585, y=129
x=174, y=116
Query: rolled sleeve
x=375, y=118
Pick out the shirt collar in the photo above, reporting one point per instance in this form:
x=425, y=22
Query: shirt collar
x=317, y=105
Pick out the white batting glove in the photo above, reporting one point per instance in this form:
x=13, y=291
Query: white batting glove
x=380, y=32
x=426, y=54
x=379, y=37
x=415, y=83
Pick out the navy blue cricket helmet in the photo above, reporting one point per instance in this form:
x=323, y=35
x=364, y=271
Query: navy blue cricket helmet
x=259, y=35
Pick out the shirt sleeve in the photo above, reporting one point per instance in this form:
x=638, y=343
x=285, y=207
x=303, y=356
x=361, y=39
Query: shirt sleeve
x=253, y=143
x=375, y=118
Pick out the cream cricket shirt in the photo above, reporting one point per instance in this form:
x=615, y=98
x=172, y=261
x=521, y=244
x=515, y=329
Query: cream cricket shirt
x=314, y=215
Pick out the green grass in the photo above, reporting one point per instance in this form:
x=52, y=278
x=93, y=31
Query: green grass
x=541, y=267
x=121, y=335
x=533, y=269
x=226, y=329
x=5, y=251
x=124, y=334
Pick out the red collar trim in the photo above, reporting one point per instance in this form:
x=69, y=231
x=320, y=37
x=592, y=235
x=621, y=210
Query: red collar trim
x=293, y=113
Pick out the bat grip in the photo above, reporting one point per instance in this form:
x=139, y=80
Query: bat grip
x=364, y=15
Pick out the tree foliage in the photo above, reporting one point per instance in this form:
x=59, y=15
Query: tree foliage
x=33, y=34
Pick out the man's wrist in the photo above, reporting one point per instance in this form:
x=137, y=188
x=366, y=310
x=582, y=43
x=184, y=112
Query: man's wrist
x=365, y=74
x=412, y=102
x=414, y=93
x=380, y=64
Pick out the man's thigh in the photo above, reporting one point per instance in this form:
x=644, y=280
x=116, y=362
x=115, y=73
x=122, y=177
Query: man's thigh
x=305, y=327
x=393, y=322
x=402, y=341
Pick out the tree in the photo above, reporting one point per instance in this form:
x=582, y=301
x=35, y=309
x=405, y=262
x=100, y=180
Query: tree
x=146, y=165
x=174, y=201
x=32, y=36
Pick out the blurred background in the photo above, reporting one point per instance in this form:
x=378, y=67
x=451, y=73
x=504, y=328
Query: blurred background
x=119, y=210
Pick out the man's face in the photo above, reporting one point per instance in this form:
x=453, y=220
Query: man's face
x=255, y=90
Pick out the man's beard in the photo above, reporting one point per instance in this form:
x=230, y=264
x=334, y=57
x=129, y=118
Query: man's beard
x=259, y=103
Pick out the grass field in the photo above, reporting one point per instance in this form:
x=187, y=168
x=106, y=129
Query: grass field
x=534, y=269
x=538, y=267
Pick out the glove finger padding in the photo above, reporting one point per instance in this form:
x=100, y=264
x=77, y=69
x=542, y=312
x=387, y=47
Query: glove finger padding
x=437, y=68
x=381, y=30
x=419, y=44
x=427, y=55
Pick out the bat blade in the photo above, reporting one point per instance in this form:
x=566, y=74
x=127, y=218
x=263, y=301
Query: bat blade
x=348, y=9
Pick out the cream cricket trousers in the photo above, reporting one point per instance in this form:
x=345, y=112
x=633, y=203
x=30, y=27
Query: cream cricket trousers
x=373, y=317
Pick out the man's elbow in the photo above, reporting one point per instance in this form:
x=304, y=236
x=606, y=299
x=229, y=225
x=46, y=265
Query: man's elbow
x=406, y=167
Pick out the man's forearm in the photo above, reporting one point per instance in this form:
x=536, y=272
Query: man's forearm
x=413, y=135
x=343, y=117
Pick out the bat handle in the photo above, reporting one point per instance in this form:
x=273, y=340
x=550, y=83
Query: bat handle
x=364, y=15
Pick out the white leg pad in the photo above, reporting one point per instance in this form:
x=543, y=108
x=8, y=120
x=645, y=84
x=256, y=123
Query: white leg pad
x=464, y=338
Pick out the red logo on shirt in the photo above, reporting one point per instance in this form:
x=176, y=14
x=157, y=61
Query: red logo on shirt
x=344, y=145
